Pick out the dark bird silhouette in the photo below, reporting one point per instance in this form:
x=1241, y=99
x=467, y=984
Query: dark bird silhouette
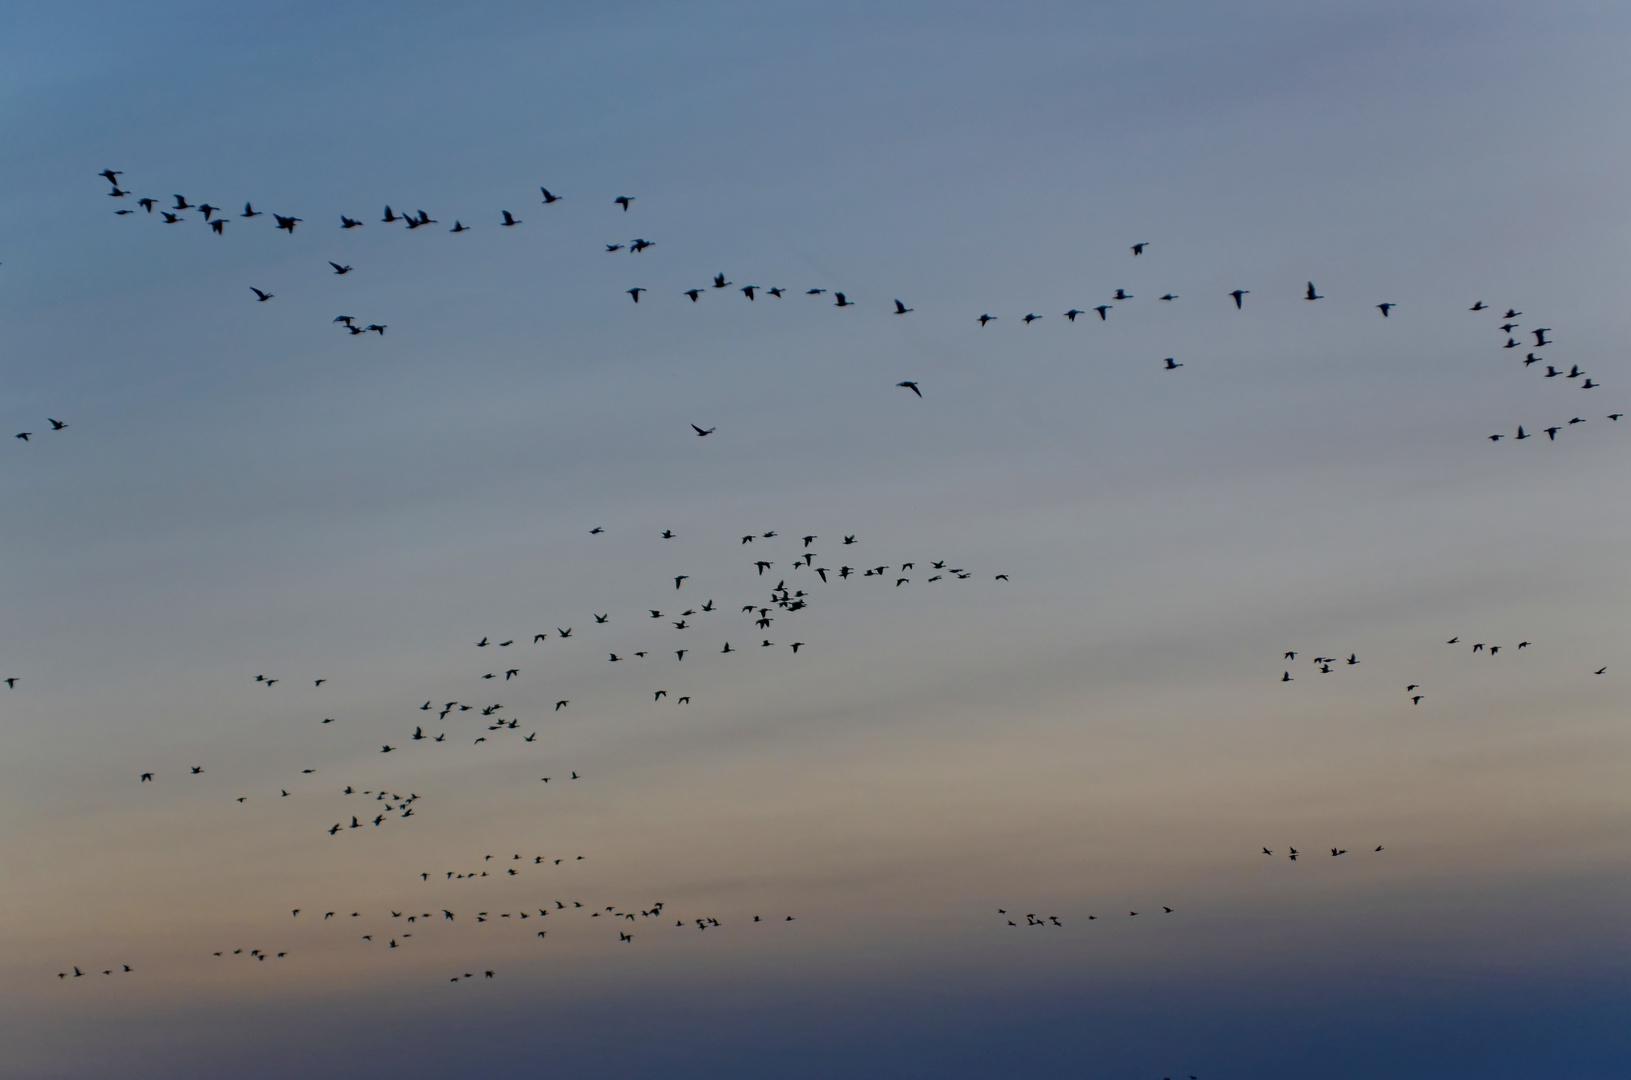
x=549, y=197
x=261, y=296
x=1238, y=294
x=1385, y=308
x=636, y=294
x=349, y=223
x=1072, y=313
x=1104, y=312
x=701, y=431
x=1031, y=317
x=623, y=201
x=1122, y=294
x=111, y=175
x=219, y=228
x=287, y=224
x=250, y=211
x=912, y=386
x=983, y=319
x=1551, y=433
x=1540, y=337
x=693, y=294
x=1172, y=364
x=901, y=309
x=839, y=300
x=509, y=219
x=181, y=204
x=169, y=218
x=1511, y=313
x=459, y=226
x=1478, y=306
x=1138, y=249
x=1311, y=294
x=338, y=269
x=747, y=291
x=23, y=435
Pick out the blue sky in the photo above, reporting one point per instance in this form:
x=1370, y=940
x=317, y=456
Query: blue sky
x=244, y=489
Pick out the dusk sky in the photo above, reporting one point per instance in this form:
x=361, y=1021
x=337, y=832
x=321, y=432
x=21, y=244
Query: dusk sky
x=1094, y=715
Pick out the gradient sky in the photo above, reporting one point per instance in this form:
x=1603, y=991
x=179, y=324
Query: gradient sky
x=244, y=489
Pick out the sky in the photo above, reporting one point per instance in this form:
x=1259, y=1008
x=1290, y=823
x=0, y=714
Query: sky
x=1092, y=718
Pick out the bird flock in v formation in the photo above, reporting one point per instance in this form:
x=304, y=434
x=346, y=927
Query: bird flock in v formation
x=216, y=220
x=782, y=602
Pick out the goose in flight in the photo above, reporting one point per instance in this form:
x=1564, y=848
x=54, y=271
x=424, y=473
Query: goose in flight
x=701, y=431
x=912, y=386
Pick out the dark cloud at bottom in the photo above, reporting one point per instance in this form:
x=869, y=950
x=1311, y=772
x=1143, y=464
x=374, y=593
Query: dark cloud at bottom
x=1334, y=1024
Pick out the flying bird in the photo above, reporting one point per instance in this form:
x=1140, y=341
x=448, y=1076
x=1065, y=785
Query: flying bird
x=912, y=386
x=901, y=309
x=1309, y=295
x=701, y=431
x=1238, y=294
x=338, y=269
x=623, y=201
x=261, y=296
x=509, y=219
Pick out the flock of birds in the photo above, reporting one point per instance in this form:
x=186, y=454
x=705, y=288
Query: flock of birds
x=674, y=624
x=213, y=217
